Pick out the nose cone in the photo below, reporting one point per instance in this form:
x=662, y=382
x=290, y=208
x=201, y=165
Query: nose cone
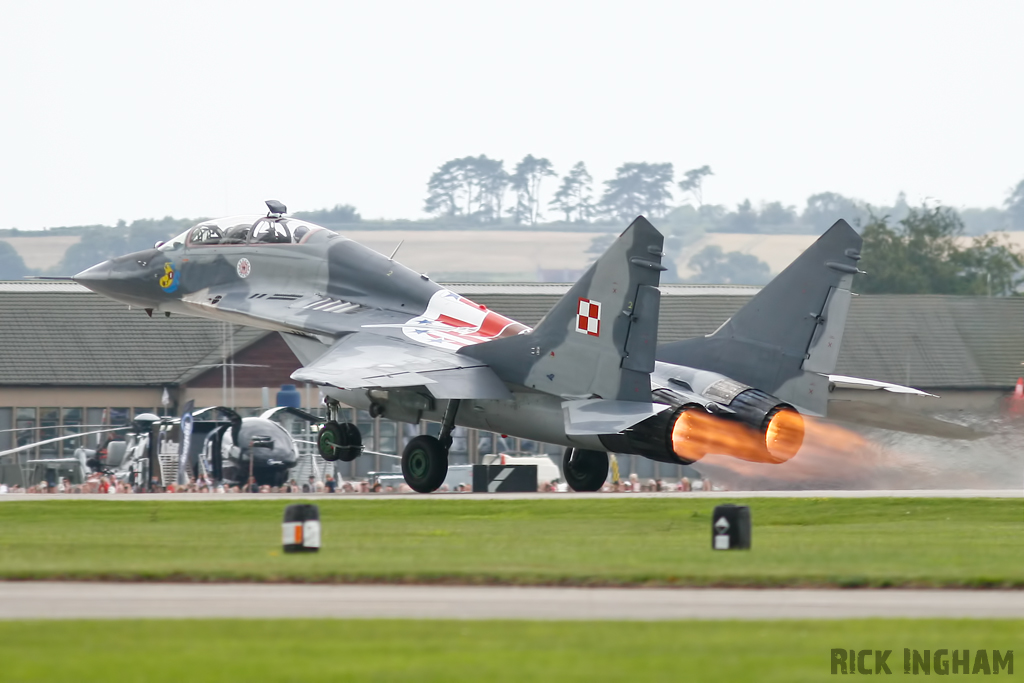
x=95, y=278
x=127, y=278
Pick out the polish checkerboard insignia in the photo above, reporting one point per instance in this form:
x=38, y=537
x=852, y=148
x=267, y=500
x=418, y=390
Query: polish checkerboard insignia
x=588, y=320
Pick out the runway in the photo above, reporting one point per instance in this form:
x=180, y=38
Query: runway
x=711, y=495
x=70, y=600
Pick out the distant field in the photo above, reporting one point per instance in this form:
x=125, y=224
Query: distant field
x=494, y=255
x=173, y=651
x=42, y=252
x=797, y=542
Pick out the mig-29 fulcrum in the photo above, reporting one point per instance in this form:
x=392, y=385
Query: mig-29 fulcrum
x=378, y=336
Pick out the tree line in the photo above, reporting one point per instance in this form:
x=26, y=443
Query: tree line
x=482, y=191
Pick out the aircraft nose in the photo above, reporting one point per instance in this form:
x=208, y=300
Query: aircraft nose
x=125, y=279
x=96, y=277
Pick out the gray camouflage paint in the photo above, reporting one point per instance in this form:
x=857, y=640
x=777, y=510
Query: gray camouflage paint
x=788, y=336
x=352, y=317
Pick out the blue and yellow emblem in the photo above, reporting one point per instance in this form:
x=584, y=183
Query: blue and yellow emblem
x=169, y=281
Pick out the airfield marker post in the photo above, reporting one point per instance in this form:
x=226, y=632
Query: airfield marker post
x=300, y=530
x=730, y=527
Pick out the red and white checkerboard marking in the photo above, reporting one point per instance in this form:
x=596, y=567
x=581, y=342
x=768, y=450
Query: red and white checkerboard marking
x=589, y=319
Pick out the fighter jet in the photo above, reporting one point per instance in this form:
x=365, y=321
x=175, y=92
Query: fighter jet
x=378, y=336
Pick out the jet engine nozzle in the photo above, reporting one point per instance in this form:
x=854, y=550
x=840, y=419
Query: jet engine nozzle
x=757, y=428
x=783, y=433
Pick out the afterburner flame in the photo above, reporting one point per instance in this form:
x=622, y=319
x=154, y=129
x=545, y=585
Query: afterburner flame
x=696, y=433
x=784, y=435
x=686, y=434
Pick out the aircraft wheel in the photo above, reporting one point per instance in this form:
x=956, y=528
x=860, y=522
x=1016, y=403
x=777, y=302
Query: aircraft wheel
x=353, y=441
x=584, y=470
x=339, y=442
x=424, y=464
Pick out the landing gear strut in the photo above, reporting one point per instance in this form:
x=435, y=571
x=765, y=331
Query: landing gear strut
x=425, y=458
x=338, y=441
x=584, y=470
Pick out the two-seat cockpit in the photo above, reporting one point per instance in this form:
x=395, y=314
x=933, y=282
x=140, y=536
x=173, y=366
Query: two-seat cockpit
x=239, y=230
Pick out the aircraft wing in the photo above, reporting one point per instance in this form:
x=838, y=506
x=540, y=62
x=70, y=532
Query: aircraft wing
x=367, y=360
x=899, y=420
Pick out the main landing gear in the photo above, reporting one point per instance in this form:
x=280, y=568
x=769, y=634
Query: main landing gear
x=584, y=470
x=338, y=441
x=425, y=458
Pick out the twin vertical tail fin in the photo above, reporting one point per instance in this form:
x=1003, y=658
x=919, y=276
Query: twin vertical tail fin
x=599, y=340
x=793, y=325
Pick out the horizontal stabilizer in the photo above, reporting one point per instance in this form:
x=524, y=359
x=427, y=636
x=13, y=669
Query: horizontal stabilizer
x=600, y=416
x=844, y=382
x=899, y=420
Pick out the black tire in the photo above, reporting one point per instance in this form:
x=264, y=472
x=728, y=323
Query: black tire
x=329, y=441
x=584, y=470
x=339, y=442
x=424, y=464
x=352, y=440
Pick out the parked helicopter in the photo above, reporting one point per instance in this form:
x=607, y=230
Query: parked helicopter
x=224, y=446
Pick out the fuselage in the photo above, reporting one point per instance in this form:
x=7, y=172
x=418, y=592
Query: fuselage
x=318, y=286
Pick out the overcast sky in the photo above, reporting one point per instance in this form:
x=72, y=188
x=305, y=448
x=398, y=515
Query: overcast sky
x=132, y=110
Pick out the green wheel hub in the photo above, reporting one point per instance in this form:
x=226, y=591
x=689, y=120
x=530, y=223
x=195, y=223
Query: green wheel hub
x=327, y=442
x=419, y=463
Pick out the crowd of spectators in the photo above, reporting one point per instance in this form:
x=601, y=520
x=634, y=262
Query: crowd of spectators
x=103, y=483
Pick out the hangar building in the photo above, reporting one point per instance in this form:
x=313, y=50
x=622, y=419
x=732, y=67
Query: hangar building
x=71, y=357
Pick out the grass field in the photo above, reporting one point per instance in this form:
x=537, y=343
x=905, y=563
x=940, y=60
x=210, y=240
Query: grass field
x=306, y=651
x=797, y=542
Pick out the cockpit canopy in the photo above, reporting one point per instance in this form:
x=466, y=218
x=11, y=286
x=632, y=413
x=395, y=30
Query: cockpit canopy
x=234, y=230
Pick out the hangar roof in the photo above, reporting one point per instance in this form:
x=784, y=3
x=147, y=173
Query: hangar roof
x=62, y=334
x=57, y=333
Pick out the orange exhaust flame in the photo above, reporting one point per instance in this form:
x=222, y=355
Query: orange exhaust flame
x=827, y=453
x=697, y=433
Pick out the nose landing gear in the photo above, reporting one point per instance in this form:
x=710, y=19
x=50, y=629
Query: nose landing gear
x=338, y=441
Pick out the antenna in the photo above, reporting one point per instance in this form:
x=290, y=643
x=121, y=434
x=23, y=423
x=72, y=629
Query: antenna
x=392, y=257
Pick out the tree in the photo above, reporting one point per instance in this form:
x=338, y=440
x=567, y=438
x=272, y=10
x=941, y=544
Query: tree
x=340, y=214
x=12, y=267
x=526, y=181
x=743, y=220
x=492, y=181
x=776, y=218
x=574, y=196
x=921, y=254
x=638, y=188
x=445, y=188
x=1015, y=207
x=471, y=186
x=713, y=266
x=693, y=182
x=825, y=208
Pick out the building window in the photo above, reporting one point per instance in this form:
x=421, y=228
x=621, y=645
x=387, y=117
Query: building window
x=71, y=420
x=25, y=423
x=119, y=417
